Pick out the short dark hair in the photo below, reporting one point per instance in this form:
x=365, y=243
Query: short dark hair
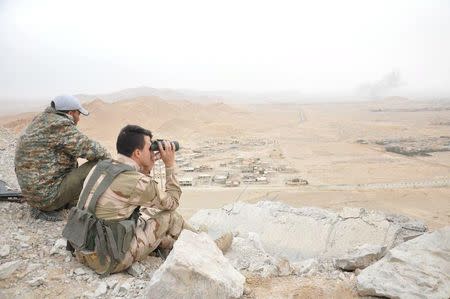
x=131, y=137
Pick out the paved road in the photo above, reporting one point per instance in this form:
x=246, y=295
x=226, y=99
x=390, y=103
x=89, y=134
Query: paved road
x=430, y=183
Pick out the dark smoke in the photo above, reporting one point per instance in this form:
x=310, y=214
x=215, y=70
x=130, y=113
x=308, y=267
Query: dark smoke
x=380, y=88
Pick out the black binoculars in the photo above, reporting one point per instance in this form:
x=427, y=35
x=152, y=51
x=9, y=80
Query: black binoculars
x=154, y=146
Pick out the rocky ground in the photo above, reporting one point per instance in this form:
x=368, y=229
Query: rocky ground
x=38, y=266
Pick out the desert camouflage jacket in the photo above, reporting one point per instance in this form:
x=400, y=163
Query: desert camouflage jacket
x=47, y=151
x=131, y=189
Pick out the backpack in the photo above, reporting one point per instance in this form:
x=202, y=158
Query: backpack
x=84, y=231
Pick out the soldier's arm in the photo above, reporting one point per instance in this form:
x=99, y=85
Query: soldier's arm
x=164, y=200
x=75, y=143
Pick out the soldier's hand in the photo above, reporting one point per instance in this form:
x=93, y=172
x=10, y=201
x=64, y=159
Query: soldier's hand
x=167, y=154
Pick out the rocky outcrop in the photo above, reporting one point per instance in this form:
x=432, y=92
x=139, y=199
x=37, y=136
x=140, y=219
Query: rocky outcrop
x=196, y=268
x=302, y=233
x=418, y=268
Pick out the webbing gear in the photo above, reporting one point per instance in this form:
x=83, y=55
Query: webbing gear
x=86, y=232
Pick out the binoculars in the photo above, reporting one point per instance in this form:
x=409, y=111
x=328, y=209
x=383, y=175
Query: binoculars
x=154, y=146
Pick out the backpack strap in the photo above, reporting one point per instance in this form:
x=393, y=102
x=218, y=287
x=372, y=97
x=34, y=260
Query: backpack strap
x=111, y=171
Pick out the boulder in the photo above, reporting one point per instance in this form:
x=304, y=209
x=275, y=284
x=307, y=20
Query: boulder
x=419, y=268
x=196, y=268
x=360, y=257
x=302, y=233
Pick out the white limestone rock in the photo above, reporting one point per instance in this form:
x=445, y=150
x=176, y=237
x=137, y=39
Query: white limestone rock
x=247, y=254
x=136, y=270
x=36, y=281
x=306, y=267
x=79, y=271
x=360, y=257
x=301, y=233
x=101, y=290
x=8, y=268
x=419, y=268
x=5, y=250
x=196, y=268
x=59, y=247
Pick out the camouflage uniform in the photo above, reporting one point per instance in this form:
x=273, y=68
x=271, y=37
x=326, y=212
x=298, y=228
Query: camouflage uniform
x=47, y=152
x=158, y=225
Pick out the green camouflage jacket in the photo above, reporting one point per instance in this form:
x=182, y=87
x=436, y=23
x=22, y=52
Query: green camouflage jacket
x=47, y=151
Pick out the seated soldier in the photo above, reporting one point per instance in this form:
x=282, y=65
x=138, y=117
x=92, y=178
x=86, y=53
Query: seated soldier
x=130, y=216
x=46, y=158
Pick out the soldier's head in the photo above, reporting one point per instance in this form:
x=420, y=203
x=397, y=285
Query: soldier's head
x=134, y=142
x=69, y=105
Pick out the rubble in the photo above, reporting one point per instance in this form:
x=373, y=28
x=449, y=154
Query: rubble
x=4, y=250
x=59, y=246
x=8, y=268
x=101, y=290
x=248, y=255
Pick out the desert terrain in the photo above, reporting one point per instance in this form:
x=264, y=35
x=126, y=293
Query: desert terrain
x=391, y=155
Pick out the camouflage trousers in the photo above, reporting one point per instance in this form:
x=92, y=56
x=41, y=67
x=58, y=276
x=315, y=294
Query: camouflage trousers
x=153, y=230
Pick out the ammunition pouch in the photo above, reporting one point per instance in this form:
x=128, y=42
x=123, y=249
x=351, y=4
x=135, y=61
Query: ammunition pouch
x=80, y=229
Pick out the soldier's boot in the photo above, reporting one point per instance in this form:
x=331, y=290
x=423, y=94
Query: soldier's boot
x=47, y=216
x=224, y=242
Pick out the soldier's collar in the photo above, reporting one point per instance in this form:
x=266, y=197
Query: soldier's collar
x=127, y=160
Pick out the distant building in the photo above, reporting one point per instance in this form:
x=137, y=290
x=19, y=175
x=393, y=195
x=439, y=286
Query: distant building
x=203, y=168
x=296, y=182
x=185, y=181
x=204, y=178
x=232, y=183
x=220, y=178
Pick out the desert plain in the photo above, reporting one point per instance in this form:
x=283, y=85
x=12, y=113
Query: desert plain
x=391, y=155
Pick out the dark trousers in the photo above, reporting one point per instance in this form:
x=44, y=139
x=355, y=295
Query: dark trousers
x=70, y=188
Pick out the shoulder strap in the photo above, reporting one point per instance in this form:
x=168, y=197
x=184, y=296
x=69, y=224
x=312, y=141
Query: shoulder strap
x=98, y=171
x=111, y=171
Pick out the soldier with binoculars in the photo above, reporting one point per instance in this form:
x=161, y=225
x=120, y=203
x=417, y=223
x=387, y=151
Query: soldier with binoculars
x=122, y=216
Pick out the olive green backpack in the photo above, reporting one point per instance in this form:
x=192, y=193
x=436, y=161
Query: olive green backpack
x=84, y=231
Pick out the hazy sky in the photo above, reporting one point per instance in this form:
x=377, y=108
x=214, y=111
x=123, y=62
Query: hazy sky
x=52, y=47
